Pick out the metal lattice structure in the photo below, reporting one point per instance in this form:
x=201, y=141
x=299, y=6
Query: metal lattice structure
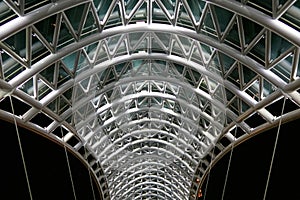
x=149, y=93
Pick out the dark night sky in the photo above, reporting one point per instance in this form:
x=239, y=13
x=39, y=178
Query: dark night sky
x=49, y=178
x=47, y=169
x=250, y=166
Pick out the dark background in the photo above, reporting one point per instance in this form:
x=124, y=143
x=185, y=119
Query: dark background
x=49, y=176
x=250, y=164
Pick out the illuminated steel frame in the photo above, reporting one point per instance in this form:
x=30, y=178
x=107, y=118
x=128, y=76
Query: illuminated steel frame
x=149, y=93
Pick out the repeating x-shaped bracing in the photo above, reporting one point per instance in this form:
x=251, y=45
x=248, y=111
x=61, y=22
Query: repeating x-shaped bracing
x=150, y=93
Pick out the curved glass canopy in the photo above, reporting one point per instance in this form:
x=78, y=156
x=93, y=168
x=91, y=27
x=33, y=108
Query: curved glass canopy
x=149, y=93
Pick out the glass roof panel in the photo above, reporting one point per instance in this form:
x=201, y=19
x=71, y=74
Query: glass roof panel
x=6, y=13
x=291, y=16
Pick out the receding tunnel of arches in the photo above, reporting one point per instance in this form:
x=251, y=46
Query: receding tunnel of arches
x=137, y=111
x=149, y=94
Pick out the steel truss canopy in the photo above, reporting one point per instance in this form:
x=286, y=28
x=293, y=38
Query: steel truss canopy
x=149, y=93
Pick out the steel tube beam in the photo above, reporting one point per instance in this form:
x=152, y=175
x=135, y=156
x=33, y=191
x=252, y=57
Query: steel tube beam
x=174, y=179
x=42, y=64
x=264, y=20
x=15, y=25
x=135, y=122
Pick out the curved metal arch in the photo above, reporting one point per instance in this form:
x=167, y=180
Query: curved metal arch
x=239, y=92
x=274, y=25
x=134, y=97
x=234, y=7
x=144, y=177
x=173, y=81
x=51, y=96
x=163, y=194
x=205, y=144
x=109, y=87
x=134, y=79
x=196, y=66
x=256, y=107
x=41, y=13
x=162, y=121
x=161, y=110
x=225, y=51
x=136, y=110
x=151, y=148
x=38, y=106
x=179, y=60
x=160, y=95
x=158, y=177
x=195, y=36
x=176, y=126
x=152, y=56
x=156, y=196
x=155, y=169
x=69, y=84
x=149, y=189
x=178, y=181
x=166, y=165
x=148, y=130
x=259, y=105
x=165, y=80
x=42, y=64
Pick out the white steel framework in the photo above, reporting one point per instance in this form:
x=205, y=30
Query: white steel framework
x=149, y=93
